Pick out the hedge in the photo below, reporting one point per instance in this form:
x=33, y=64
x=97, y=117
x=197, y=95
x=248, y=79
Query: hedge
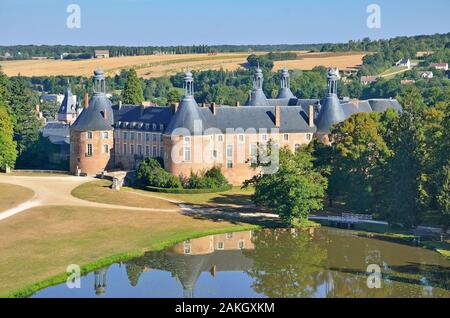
x=188, y=191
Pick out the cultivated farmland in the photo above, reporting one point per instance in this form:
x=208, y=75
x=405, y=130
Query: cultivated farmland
x=148, y=66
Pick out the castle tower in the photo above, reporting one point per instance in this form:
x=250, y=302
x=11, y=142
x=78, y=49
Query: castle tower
x=257, y=96
x=331, y=111
x=91, y=136
x=285, y=86
x=100, y=282
x=68, y=110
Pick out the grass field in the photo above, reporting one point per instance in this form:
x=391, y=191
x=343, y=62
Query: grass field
x=38, y=245
x=13, y=195
x=148, y=66
x=236, y=197
x=99, y=191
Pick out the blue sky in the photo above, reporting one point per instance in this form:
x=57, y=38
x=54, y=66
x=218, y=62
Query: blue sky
x=181, y=22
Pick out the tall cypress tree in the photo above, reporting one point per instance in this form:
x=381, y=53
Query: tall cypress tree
x=132, y=93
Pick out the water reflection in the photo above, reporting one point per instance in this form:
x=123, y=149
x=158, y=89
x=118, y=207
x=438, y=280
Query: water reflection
x=324, y=262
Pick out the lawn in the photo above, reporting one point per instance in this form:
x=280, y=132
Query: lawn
x=99, y=191
x=236, y=197
x=40, y=243
x=13, y=195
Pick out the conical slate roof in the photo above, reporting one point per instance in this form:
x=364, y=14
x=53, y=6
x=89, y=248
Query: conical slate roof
x=68, y=105
x=285, y=92
x=330, y=113
x=98, y=115
x=257, y=98
x=188, y=119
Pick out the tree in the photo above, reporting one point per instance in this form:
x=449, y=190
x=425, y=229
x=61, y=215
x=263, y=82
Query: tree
x=173, y=96
x=294, y=190
x=132, y=92
x=8, y=152
x=359, y=154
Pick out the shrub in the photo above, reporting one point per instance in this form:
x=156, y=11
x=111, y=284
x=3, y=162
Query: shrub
x=151, y=173
x=210, y=179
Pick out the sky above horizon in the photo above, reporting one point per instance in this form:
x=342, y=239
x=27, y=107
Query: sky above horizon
x=213, y=22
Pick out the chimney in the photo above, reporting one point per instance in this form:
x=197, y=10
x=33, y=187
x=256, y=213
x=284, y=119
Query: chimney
x=174, y=107
x=238, y=104
x=213, y=108
x=86, y=100
x=120, y=104
x=311, y=116
x=277, y=116
x=142, y=109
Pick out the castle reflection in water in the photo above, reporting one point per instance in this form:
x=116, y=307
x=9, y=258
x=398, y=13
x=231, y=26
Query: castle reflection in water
x=186, y=261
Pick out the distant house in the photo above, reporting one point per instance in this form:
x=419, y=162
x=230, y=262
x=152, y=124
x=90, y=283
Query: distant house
x=407, y=81
x=49, y=98
x=426, y=74
x=101, y=54
x=439, y=66
x=366, y=80
x=404, y=63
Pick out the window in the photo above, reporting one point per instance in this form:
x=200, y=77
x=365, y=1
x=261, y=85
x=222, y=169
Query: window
x=229, y=151
x=154, y=126
x=161, y=151
x=125, y=135
x=154, y=137
x=132, y=136
x=105, y=135
x=139, y=137
x=187, y=140
x=220, y=138
x=229, y=236
x=241, y=244
x=125, y=148
x=308, y=136
x=214, y=154
x=187, y=153
x=296, y=147
x=89, y=135
x=253, y=154
x=105, y=149
x=160, y=137
x=286, y=137
x=220, y=245
x=139, y=148
x=132, y=150
x=147, y=137
x=230, y=163
x=161, y=127
x=147, y=151
x=187, y=249
x=89, y=150
x=264, y=137
x=241, y=138
x=154, y=152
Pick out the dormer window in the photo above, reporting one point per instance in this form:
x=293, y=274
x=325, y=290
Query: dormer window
x=154, y=126
x=161, y=127
x=103, y=114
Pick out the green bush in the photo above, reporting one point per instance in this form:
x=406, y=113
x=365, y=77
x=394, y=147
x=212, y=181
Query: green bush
x=151, y=173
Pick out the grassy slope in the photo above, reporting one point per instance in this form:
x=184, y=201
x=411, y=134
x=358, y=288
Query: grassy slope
x=99, y=191
x=233, y=197
x=37, y=246
x=12, y=195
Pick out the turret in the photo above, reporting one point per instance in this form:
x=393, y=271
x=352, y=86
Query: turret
x=91, y=136
x=285, y=86
x=331, y=111
x=257, y=96
x=68, y=110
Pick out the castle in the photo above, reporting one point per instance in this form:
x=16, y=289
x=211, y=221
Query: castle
x=191, y=137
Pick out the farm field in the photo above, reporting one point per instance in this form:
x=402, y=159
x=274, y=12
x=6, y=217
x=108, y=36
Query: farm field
x=149, y=66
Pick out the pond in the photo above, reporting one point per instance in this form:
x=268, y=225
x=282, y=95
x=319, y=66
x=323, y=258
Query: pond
x=324, y=262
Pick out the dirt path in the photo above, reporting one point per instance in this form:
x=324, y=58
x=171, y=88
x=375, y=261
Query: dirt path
x=57, y=191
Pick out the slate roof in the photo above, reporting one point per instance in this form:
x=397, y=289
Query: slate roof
x=382, y=105
x=91, y=119
x=127, y=114
x=330, y=113
x=58, y=133
x=257, y=98
x=187, y=118
x=68, y=105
